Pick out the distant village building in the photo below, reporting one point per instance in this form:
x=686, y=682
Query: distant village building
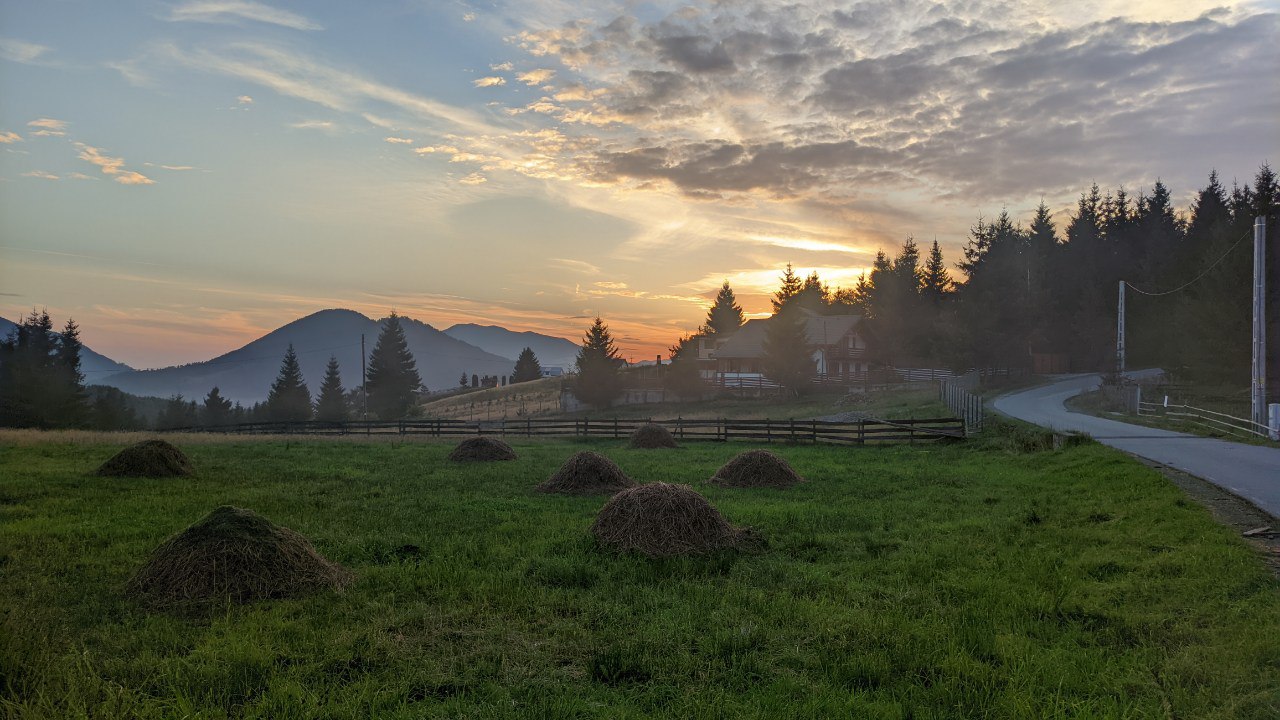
x=552, y=371
x=837, y=347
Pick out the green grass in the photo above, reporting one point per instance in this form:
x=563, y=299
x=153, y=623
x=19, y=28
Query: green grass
x=922, y=582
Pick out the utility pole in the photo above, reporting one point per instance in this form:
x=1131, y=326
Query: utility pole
x=1120, y=333
x=364, y=393
x=1258, y=386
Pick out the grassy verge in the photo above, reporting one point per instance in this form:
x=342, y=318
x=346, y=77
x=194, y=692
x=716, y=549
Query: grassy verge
x=970, y=580
x=1096, y=403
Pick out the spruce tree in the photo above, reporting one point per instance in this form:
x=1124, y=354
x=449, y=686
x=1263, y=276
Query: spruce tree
x=682, y=376
x=725, y=316
x=289, y=399
x=599, y=377
x=331, y=404
x=72, y=399
x=463, y=381
x=527, y=367
x=216, y=410
x=935, y=280
x=393, y=380
x=787, y=358
x=110, y=410
x=790, y=288
x=41, y=384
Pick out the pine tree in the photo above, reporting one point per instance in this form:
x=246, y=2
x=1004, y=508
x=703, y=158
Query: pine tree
x=463, y=381
x=682, y=376
x=725, y=316
x=790, y=288
x=935, y=280
x=393, y=379
x=599, y=377
x=527, y=367
x=787, y=358
x=289, y=399
x=331, y=404
x=177, y=413
x=41, y=384
x=72, y=399
x=217, y=409
x=111, y=410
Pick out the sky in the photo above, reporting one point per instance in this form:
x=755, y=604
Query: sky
x=184, y=176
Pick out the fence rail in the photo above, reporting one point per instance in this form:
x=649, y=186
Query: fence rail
x=954, y=393
x=857, y=432
x=1209, y=419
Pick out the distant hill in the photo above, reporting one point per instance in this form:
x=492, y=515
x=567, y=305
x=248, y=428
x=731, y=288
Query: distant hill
x=551, y=351
x=95, y=366
x=245, y=375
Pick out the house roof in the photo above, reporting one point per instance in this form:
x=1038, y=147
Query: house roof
x=748, y=341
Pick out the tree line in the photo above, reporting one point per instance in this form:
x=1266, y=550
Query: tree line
x=42, y=386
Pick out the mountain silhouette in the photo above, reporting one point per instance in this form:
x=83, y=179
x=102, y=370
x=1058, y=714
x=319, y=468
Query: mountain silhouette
x=95, y=366
x=246, y=374
x=551, y=351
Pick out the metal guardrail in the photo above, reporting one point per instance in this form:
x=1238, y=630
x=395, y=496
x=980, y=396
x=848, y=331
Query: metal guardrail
x=858, y=432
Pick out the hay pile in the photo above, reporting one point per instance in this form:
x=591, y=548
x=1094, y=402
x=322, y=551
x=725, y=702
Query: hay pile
x=664, y=520
x=482, y=449
x=587, y=473
x=652, y=436
x=756, y=469
x=233, y=554
x=149, y=458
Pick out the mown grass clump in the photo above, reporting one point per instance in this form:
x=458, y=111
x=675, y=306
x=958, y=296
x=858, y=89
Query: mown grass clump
x=482, y=449
x=233, y=555
x=664, y=520
x=149, y=458
x=959, y=581
x=652, y=436
x=756, y=469
x=587, y=473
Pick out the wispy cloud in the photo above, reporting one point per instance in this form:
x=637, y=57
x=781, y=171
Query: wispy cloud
x=48, y=127
x=21, y=51
x=224, y=11
x=491, y=81
x=113, y=166
x=536, y=77
x=312, y=125
x=502, y=67
x=474, y=179
x=7, y=137
x=244, y=100
x=399, y=140
x=578, y=266
x=40, y=174
x=296, y=75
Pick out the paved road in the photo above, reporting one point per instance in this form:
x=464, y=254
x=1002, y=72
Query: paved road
x=1250, y=471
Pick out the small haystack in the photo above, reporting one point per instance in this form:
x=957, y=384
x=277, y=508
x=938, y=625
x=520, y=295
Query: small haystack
x=587, y=473
x=756, y=469
x=662, y=520
x=652, y=436
x=149, y=458
x=233, y=554
x=482, y=449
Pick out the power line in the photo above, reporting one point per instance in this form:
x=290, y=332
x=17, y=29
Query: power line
x=1196, y=278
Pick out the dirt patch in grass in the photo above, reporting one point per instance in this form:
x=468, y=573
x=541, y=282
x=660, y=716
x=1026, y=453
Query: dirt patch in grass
x=665, y=520
x=149, y=458
x=482, y=449
x=652, y=436
x=587, y=473
x=756, y=469
x=233, y=554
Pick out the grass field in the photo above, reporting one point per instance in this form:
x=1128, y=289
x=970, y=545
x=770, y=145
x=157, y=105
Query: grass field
x=961, y=581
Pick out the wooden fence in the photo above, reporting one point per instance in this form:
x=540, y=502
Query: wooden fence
x=858, y=432
x=956, y=395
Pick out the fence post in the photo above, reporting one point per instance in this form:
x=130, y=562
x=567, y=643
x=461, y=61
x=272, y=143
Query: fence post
x=815, y=431
x=768, y=430
x=615, y=427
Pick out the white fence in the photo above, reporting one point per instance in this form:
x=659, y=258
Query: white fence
x=1208, y=419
